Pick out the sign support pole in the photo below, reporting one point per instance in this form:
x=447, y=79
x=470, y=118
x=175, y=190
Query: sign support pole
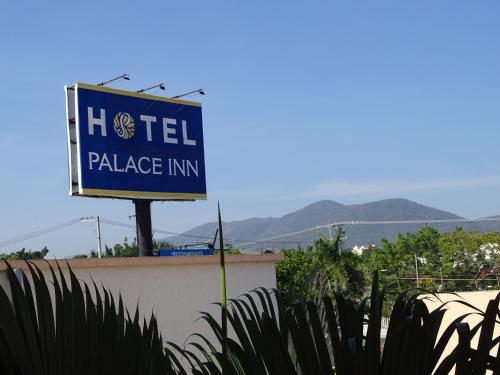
x=143, y=227
x=99, y=250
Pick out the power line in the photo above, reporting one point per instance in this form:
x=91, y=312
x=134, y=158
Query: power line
x=38, y=233
x=41, y=232
x=246, y=242
x=156, y=230
x=125, y=225
x=368, y=222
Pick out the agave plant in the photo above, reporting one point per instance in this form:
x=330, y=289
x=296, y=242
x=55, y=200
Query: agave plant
x=343, y=337
x=75, y=333
x=82, y=330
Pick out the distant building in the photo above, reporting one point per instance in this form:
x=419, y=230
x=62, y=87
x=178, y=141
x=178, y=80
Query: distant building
x=361, y=249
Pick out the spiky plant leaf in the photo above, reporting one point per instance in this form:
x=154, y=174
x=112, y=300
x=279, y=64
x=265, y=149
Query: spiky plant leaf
x=72, y=334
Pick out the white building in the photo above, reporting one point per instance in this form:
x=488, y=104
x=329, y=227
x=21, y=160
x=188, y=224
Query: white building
x=361, y=249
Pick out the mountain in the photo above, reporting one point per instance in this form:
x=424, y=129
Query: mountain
x=493, y=225
x=326, y=212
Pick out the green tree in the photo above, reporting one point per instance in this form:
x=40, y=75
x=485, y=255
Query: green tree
x=24, y=254
x=457, y=254
x=229, y=251
x=425, y=244
x=127, y=249
x=324, y=267
x=463, y=253
x=293, y=273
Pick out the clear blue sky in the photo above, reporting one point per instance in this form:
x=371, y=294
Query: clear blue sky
x=351, y=101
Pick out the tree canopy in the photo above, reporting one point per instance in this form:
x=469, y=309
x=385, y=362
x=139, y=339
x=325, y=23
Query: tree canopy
x=448, y=261
x=127, y=249
x=24, y=254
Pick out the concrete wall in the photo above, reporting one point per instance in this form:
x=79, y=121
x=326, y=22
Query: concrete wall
x=175, y=288
x=454, y=310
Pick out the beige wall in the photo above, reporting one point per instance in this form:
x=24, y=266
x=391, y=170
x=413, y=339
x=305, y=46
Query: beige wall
x=454, y=310
x=175, y=288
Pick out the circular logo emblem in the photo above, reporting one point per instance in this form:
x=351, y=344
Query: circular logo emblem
x=124, y=125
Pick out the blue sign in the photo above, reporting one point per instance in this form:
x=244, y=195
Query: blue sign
x=132, y=145
x=184, y=252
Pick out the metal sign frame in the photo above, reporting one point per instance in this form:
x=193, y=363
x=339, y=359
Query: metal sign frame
x=84, y=180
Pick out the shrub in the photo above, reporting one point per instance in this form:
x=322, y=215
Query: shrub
x=326, y=336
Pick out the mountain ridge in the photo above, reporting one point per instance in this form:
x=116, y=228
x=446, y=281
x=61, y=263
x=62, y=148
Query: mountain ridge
x=325, y=212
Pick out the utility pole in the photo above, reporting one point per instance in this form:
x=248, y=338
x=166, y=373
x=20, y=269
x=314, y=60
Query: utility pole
x=416, y=269
x=99, y=250
x=98, y=231
x=331, y=237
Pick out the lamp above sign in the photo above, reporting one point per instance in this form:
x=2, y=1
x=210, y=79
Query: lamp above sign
x=124, y=144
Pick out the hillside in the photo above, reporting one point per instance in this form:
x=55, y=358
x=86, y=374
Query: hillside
x=325, y=212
